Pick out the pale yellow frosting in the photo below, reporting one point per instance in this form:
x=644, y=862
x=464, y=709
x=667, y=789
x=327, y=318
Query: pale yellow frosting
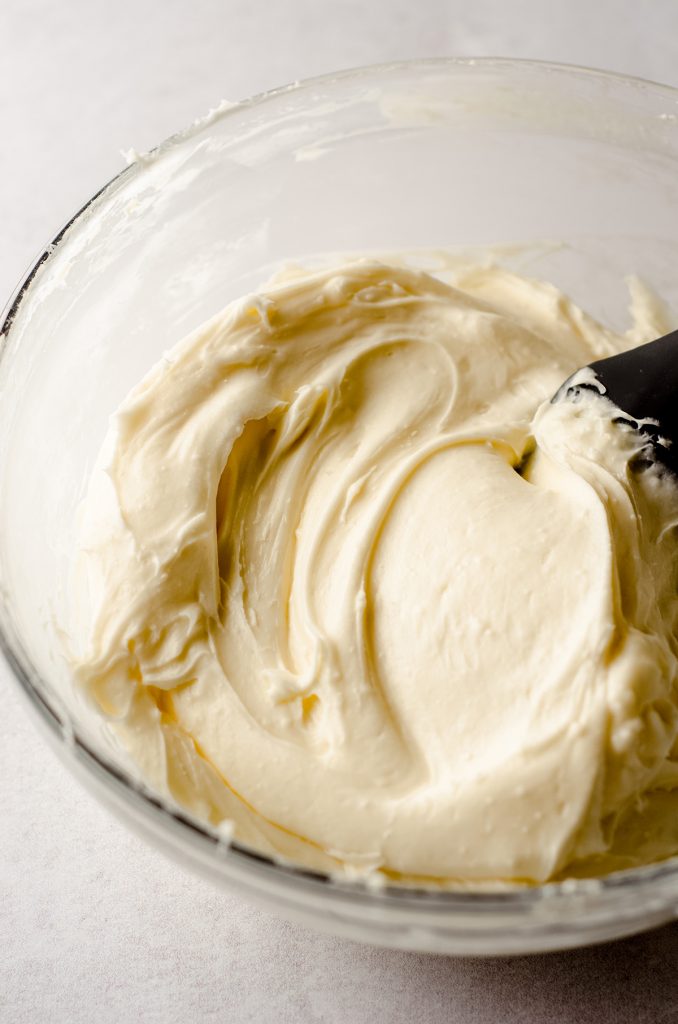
x=353, y=584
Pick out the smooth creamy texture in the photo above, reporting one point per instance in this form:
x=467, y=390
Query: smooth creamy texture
x=332, y=599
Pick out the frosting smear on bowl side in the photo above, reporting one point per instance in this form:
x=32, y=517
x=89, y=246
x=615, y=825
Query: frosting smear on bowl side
x=351, y=582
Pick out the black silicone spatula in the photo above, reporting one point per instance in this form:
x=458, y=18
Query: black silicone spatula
x=643, y=384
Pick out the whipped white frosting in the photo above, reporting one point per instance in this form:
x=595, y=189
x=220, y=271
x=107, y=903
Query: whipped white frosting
x=351, y=582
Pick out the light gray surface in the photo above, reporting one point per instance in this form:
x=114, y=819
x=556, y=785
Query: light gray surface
x=93, y=924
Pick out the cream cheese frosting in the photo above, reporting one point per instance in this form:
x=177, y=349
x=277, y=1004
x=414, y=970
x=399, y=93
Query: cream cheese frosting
x=351, y=582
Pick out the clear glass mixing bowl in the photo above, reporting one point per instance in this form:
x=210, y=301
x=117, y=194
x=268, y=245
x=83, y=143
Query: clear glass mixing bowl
x=576, y=169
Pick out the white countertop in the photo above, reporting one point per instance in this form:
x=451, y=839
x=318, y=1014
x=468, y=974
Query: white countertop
x=94, y=925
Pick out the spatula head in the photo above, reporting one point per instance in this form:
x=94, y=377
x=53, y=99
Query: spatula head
x=643, y=384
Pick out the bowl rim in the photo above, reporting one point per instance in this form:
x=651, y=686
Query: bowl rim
x=181, y=824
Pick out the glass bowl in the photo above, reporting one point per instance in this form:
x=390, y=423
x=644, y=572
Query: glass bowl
x=573, y=173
